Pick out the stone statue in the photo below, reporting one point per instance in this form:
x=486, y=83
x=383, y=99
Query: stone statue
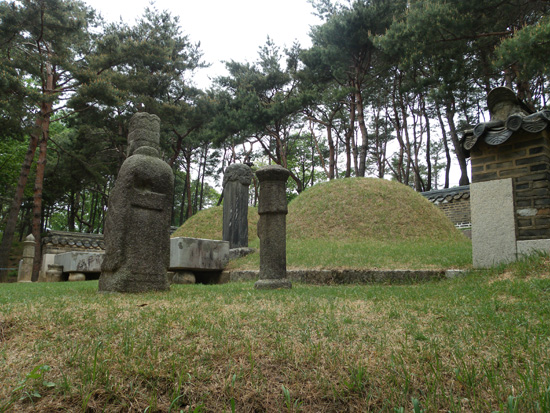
x=236, y=181
x=137, y=227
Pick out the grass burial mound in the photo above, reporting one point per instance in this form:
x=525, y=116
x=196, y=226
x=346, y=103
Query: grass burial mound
x=208, y=224
x=367, y=209
x=371, y=223
x=359, y=223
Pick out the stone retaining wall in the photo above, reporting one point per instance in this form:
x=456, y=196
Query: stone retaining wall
x=336, y=277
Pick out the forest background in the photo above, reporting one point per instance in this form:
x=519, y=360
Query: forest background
x=410, y=75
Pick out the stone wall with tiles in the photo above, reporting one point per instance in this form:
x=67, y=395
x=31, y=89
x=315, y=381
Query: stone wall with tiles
x=458, y=211
x=525, y=158
x=59, y=242
x=454, y=202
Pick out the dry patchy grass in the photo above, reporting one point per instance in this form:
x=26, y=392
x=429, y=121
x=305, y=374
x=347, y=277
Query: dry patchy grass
x=461, y=345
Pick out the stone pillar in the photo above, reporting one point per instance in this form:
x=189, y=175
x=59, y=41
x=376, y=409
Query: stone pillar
x=272, y=209
x=25, y=266
x=236, y=181
x=137, y=227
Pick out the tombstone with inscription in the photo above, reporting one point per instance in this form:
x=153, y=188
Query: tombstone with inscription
x=137, y=237
x=272, y=209
x=236, y=181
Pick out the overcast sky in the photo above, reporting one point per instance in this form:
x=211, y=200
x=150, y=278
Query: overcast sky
x=229, y=29
x=226, y=30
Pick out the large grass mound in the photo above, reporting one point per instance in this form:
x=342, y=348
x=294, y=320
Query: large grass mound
x=353, y=223
x=366, y=209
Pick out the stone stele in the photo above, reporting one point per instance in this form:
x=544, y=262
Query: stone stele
x=272, y=209
x=236, y=180
x=493, y=225
x=137, y=227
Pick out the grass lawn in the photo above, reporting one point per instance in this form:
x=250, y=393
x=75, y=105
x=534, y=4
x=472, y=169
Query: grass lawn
x=368, y=254
x=480, y=343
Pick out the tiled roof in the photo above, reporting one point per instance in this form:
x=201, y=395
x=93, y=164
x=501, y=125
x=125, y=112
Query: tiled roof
x=448, y=194
x=75, y=239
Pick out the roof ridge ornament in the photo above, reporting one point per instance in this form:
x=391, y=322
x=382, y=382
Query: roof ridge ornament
x=508, y=115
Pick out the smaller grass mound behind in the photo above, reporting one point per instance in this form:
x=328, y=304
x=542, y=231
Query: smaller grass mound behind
x=208, y=224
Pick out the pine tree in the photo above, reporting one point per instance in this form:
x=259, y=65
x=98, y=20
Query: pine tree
x=46, y=41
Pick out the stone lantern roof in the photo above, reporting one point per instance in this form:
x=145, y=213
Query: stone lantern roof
x=508, y=115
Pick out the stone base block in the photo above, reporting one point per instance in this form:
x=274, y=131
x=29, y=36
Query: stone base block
x=528, y=247
x=272, y=284
x=184, y=277
x=54, y=273
x=77, y=276
x=454, y=273
x=235, y=253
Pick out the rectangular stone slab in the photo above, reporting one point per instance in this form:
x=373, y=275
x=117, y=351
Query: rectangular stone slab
x=493, y=223
x=80, y=261
x=198, y=254
x=531, y=246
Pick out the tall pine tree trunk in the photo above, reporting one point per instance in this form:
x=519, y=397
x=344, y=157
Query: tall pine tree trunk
x=428, y=144
x=182, y=206
x=201, y=196
x=196, y=197
x=351, y=151
x=37, y=205
x=187, y=155
x=446, y=146
x=44, y=123
x=464, y=180
x=364, y=134
x=11, y=221
x=331, y=153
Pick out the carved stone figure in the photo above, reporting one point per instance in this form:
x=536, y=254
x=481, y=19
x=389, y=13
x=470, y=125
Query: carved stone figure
x=236, y=181
x=137, y=227
x=272, y=209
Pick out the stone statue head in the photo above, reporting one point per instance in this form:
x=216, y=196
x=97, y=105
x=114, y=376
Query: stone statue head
x=144, y=134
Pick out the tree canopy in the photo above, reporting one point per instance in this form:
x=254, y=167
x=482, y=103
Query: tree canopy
x=385, y=90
